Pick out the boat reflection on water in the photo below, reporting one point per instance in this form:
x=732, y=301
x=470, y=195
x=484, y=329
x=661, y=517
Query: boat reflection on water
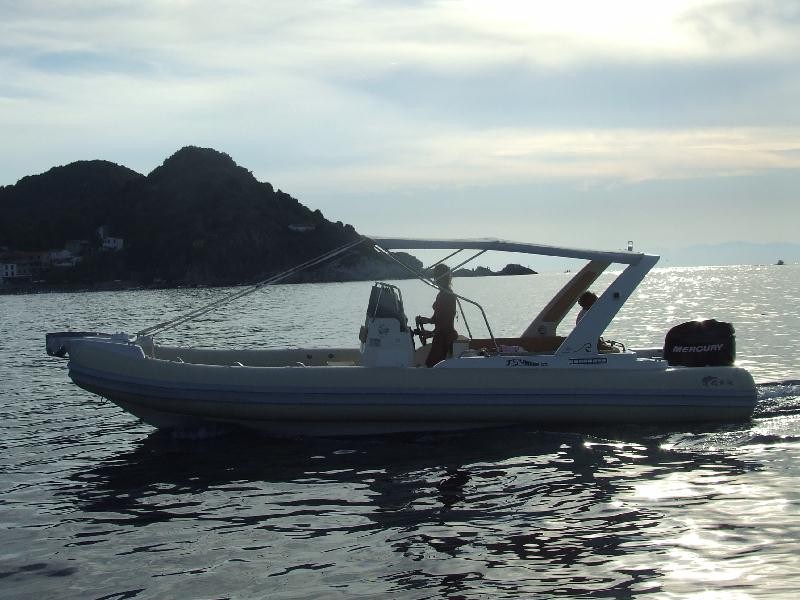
x=618, y=510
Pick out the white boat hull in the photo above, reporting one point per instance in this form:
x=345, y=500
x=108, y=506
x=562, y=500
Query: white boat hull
x=333, y=400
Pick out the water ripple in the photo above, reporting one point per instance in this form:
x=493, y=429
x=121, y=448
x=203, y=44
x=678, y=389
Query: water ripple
x=95, y=504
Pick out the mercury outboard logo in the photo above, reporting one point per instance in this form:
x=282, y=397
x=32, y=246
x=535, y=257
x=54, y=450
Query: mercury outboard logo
x=713, y=381
x=706, y=348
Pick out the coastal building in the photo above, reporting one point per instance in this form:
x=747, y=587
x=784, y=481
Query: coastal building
x=8, y=270
x=20, y=265
x=113, y=244
x=62, y=258
x=16, y=265
x=76, y=247
x=108, y=243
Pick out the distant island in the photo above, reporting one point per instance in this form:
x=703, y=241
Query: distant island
x=729, y=253
x=510, y=269
x=199, y=219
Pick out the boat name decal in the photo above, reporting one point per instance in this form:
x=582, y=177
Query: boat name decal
x=706, y=348
x=521, y=362
x=712, y=381
x=588, y=361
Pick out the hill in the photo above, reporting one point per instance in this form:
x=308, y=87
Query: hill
x=199, y=218
x=68, y=202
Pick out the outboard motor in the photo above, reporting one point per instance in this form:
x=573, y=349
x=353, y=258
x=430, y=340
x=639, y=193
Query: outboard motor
x=709, y=343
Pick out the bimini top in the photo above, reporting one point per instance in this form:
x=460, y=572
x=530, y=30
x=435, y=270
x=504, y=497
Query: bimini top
x=619, y=256
x=585, y=334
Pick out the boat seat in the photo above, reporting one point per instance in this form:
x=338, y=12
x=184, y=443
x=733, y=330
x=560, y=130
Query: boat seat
x=609, y=347
x=529, y=344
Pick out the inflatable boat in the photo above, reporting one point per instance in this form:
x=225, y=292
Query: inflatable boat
x=537, y=377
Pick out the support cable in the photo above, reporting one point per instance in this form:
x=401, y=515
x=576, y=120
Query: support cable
x=199, y=312
x=451, y=255
x=470, y=259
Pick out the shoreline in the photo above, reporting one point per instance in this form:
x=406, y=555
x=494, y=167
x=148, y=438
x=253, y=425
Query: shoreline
x=35, y=289
x=15, y=289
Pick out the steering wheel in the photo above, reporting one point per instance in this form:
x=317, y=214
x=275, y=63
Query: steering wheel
x=421, y=332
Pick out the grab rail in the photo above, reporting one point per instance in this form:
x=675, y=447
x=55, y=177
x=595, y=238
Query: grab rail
x=427, y=281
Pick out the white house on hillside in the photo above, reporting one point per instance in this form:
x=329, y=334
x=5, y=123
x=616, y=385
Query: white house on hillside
x=110, y=243
x=19, y=265
x=62, y=258
x=8, y=270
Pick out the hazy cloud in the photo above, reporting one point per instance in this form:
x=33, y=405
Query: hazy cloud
x=747, y=24
x=596, y=94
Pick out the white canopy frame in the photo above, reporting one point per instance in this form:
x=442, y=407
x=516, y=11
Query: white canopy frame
x=584, y=337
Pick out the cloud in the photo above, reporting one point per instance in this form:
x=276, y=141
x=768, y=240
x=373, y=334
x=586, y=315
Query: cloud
x=658, y=213
x=594, y=94
x=380, y=95
x=747, y=25
x=585, y=157
x=66, y=62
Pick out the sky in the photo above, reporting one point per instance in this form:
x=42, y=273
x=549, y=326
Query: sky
x=588, y=124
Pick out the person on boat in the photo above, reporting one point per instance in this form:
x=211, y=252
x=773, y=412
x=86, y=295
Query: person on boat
x=585, y=302
x=444, y=314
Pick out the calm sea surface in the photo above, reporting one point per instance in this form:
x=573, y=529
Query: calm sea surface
x=94, y=504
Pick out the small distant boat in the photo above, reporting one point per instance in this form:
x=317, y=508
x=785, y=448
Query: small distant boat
x=537, y=378
x=780, y=262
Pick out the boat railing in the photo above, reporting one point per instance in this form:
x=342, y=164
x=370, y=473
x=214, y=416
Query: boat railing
x=429, y=282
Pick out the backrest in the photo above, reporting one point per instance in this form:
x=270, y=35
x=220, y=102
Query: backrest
x=385, y=303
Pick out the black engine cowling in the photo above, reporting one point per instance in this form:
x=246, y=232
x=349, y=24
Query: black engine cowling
x=700, y=344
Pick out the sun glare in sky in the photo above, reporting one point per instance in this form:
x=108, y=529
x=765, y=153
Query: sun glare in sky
x=610, y=25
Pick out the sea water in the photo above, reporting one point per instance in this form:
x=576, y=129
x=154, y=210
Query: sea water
x=95, y=504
